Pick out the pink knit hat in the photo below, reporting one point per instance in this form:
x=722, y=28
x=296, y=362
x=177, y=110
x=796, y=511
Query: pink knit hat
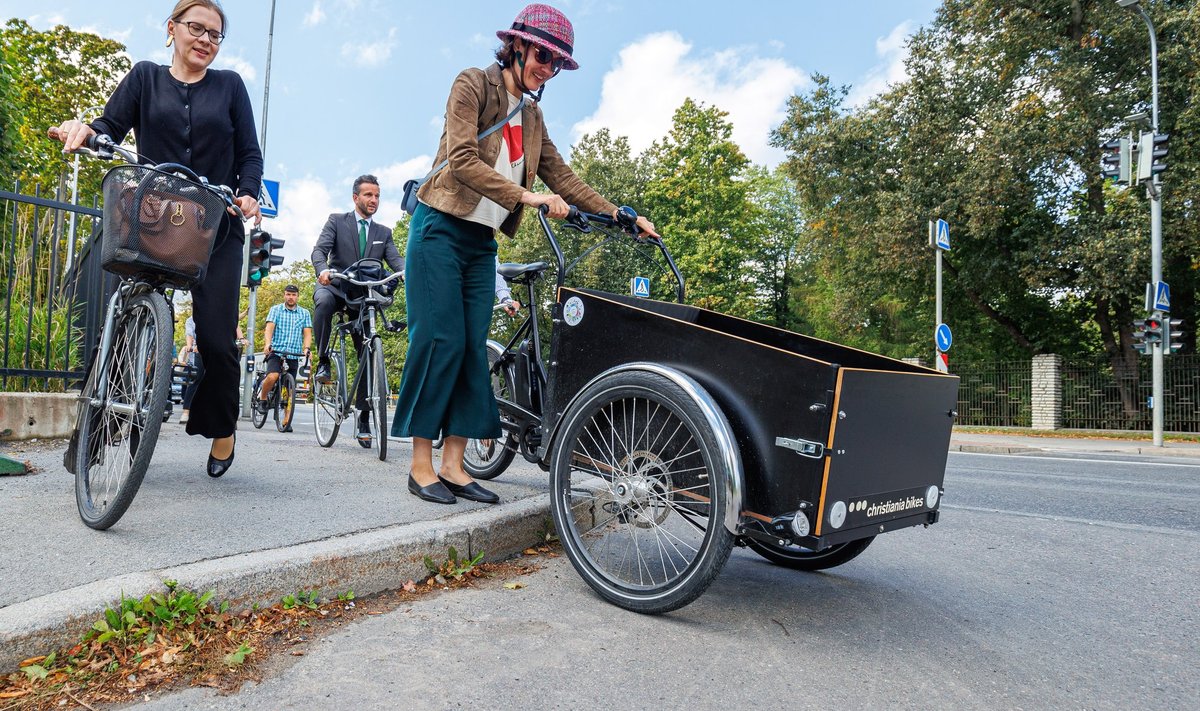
x=545, y=26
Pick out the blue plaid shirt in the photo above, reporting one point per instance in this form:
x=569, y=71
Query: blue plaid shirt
x=289, y=327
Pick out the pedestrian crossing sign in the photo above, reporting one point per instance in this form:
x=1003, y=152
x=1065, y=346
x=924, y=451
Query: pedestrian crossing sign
x=268, y=198
x=640, y=287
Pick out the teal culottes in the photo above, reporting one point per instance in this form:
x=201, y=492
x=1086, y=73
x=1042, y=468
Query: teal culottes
x=450, y=278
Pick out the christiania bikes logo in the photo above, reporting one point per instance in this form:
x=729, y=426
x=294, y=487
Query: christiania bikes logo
x=573, y=311
x=883, y=508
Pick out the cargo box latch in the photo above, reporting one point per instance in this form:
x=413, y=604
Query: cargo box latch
x=803, y=447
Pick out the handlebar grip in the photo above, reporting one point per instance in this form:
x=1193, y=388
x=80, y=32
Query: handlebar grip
x=98, y=141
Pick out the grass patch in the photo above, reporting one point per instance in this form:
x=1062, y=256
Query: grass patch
x=177, y=638
x=1125, y=435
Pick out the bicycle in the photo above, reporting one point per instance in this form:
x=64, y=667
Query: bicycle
x=282, y=398
x=159, y=225
x=518, y=372
x=332, y=401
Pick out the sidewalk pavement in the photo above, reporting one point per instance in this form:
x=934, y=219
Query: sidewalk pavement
x=288, y=516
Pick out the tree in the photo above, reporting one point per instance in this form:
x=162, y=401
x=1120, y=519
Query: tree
x=53, y=75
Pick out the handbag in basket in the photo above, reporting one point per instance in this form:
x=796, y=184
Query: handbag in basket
x=409, y=200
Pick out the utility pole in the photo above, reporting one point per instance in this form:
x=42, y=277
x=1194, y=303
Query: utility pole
x=252, y=308
x=1154, y=190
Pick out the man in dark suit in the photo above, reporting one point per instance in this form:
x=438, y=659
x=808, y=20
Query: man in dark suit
x=346, y=238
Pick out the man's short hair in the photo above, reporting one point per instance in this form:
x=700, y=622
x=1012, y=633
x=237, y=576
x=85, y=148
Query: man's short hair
x=292, y=288
x=367, y=178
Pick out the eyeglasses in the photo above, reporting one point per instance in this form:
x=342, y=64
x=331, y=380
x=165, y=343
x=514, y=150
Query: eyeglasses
x=545, y=56
x=198, y=30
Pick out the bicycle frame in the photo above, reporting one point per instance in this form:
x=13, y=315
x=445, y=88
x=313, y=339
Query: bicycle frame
x=364, y=324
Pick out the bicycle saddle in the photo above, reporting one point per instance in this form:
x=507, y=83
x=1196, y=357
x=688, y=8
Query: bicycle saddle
x=522, y=273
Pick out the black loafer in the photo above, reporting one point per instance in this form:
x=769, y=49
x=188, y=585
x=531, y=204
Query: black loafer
x=472, y=491
x=435, y=492
x=217, y=467
x=323, y=374
x=364, y=434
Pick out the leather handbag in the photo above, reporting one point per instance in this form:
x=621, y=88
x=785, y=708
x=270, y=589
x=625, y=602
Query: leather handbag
x=409, y=200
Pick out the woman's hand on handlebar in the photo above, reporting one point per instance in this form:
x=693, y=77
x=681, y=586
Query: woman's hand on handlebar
x=556, y=207
x=645, y=227
x=72, y=133
x=249, y=207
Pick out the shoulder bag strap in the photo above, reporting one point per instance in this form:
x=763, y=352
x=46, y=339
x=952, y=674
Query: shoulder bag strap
x=480, y=137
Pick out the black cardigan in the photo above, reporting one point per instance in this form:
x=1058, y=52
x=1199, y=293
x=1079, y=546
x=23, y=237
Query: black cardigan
x=207, y=126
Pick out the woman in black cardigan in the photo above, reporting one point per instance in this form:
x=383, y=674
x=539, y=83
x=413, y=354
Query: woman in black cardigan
x=199, y=117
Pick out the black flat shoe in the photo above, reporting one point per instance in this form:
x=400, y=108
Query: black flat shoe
x=472, y=491
x=218, y=467
x=435, y=492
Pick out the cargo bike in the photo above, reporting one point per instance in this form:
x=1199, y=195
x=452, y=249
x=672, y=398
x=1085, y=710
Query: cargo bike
x=673, y=433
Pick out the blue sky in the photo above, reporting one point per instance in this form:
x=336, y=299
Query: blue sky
x=360, y=85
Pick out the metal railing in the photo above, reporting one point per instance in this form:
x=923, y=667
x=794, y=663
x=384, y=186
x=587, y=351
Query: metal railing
x=995, y=394
x=48, y=318
x=1095, y=395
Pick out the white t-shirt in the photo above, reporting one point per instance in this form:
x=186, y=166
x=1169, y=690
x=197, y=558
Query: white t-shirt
x=510, y=164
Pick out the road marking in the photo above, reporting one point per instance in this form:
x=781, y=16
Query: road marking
x=1079, y=459
x=1084, y=521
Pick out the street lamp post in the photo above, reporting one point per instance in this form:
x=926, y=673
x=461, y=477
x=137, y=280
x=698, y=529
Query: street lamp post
x=1155, y=192
x=75, y=188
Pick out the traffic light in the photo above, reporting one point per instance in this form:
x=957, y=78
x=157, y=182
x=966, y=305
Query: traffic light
x=1117, y=160
x=1174, y=341
x=1154, y=330
x=1152, y=154
x=1139, y=337
x=259, y=257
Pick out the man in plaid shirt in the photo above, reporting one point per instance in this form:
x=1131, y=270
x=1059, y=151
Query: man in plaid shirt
x=288, y=330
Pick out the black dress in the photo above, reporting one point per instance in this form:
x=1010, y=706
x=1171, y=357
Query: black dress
x=207, y=126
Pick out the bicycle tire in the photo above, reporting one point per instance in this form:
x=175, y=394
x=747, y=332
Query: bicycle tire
x=258, y=413
x=488, y=459
x=327, y=404
x=638, y=453
x=117, y=435
x=799, y=558
x=377, y=397
x=285, y=400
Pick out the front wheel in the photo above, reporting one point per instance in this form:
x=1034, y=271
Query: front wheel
x=121, y=411
x=800, y=558
x=285, y=403
x=327, y=404
x=488, y=458
x=638, y=492
x=377, y=398
x=258, y=408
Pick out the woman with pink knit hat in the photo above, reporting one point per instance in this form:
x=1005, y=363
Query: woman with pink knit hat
x=494, y=145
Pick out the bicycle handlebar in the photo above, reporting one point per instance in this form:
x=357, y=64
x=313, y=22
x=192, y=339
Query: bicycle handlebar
x=626, y=220
x=375, y=282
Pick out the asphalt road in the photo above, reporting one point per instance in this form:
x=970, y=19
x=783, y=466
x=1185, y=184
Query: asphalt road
x=1051, y=582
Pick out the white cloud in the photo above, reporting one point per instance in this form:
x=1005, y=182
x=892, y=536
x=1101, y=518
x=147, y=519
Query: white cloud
x=371, y=54
x=238, y=64
x=892, y=52
x=306, y=203
x=653, y=76
x=315, y=16
x=121, y=36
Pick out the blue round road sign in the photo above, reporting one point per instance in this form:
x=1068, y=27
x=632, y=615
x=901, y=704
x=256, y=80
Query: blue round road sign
x=943, y=338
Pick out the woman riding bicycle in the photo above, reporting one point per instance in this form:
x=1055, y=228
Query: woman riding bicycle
x=201, y=118
x=445, y=388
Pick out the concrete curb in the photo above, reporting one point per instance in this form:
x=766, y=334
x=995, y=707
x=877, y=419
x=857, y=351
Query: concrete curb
x=30, y=415
x=366, y=562
x=992, y=449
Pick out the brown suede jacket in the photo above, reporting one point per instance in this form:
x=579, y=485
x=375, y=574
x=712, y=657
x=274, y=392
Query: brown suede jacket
x=477, y=102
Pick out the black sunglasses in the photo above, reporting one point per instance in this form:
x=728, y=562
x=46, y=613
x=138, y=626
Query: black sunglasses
x=545, y=56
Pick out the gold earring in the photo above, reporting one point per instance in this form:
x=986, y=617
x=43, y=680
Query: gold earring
x=170, y=39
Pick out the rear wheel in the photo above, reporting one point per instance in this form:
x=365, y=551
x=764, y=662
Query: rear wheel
x=488, y=458
x=285, y=403
x=327, y=404
x=638, y=493
x=801, y=558
x=377, y=398
x=121, y=411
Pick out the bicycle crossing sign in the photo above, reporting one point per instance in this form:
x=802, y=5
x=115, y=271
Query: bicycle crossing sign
x=640, y=287
x=268, y=198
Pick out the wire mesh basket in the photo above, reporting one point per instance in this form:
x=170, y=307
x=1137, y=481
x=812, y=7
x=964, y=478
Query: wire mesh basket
x=158, y=226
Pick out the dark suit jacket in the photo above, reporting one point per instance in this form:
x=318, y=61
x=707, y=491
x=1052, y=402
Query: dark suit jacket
x=337, y=247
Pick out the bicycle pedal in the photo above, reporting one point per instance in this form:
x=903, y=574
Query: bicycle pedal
x=397, y=326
